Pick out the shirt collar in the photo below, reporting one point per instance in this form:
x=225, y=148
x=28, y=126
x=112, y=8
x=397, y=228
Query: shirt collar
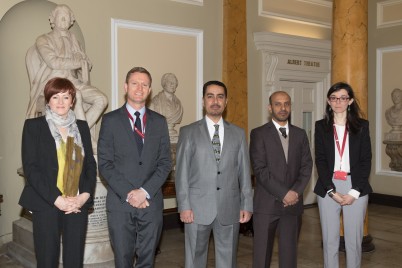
x=131, y=110
x=212, y=123
x=278, y=126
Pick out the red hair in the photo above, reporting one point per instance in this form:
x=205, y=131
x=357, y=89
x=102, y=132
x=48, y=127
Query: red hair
x=58, y=85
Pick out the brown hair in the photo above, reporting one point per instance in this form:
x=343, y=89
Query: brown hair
x=58, y=85
x=139, y=70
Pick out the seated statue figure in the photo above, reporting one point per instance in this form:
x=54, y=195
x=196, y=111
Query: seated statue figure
x=59, y=54
x=167, y=104
x=394, y=113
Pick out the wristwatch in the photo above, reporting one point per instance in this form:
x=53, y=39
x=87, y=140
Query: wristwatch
x=331, y=193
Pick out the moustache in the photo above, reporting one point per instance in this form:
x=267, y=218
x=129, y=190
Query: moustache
x=215, y=106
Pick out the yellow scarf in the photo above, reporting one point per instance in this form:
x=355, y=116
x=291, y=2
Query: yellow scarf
x=70, y=169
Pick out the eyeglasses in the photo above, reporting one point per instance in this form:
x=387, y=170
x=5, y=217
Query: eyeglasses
x=341, y=99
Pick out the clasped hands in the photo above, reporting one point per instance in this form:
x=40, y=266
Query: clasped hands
x=137, y=198
x=290, y=199
x=343, y=199
x=71, y=204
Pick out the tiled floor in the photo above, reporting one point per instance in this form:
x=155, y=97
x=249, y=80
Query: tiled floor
x=385, y=225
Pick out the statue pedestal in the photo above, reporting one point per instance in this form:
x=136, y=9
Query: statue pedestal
x=168, y=188
x=98, y=252
x=394, y=151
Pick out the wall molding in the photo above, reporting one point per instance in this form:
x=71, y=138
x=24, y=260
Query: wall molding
x=158, y=28
x=322, y=3
x=380, y=14
x=277, y=48
x=379, y=109
x=289, y=18
x=191, y=2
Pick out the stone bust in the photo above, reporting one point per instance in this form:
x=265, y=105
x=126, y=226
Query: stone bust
x=394, y=113
x=59, y=54
x=167, y=104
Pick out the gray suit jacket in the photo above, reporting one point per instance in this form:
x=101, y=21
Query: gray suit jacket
x=274, y=176
x=213, y=190
x=121, y=165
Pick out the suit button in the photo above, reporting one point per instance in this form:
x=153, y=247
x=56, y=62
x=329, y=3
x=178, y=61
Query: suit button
x=140, y=163
x=218, y=189
x=219, y=172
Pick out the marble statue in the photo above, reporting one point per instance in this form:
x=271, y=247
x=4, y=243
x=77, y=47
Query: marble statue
x=59, y=54
x=167, y=104
x=394, y=113
x=393, y=139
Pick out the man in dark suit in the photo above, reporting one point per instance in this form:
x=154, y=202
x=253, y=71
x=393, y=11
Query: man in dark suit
x=282, y=163
x=134, y=159
x=213, y=183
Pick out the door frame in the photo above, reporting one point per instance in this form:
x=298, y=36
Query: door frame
x=295, y=59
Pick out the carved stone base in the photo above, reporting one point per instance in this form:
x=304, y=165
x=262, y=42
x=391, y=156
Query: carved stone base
x=394, y=151
x=22, y=248
x=168, y=189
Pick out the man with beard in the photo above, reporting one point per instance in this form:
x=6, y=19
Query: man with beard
x=282, y=163
x=213, y=184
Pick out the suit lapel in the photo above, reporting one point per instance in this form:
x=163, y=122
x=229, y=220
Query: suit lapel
x=205, y=137
x=125, y=121
x=330, y=145
x=47, y=136
x=149, y=127
x=292, y=143
x=352, y=146
x=273, y=133
x=228, y=137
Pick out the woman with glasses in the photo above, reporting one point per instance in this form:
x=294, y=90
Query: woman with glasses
x=343, y=160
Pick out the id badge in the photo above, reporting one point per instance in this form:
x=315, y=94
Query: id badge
x=340, y=175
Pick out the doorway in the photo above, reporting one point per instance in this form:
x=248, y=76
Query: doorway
x=306, y=109
x=301, y=67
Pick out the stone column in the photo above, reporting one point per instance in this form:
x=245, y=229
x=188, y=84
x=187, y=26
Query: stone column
x=234, y=70
x=349, y=63
x=349, y=46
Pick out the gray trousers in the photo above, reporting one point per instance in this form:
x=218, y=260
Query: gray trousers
x=353, y=221
x=135, y=235
x=197, y=241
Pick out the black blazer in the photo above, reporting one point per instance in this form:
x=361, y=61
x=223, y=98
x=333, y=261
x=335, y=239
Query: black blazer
x=359, y=157
x=39, y=162
x=274, y=176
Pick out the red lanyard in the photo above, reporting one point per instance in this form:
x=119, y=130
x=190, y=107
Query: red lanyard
x=340, y=150
x=144, y=120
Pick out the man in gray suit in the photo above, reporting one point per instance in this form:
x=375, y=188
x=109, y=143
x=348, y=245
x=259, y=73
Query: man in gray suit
x=213, y=184
x=282, y=163
x=134, y=159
